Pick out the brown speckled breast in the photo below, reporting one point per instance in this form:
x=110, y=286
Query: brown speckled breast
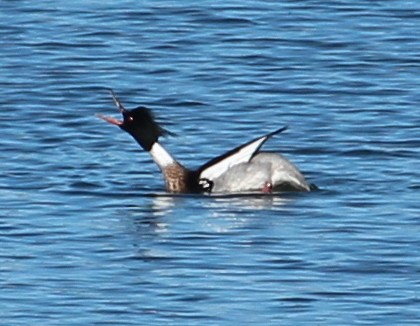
x=176, y=178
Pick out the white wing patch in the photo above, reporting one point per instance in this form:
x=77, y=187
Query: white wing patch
x=243, y=155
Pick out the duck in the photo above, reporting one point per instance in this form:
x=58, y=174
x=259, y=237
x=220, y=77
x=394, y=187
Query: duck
x=244, y=169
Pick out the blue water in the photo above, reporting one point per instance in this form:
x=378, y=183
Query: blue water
x=88, y=235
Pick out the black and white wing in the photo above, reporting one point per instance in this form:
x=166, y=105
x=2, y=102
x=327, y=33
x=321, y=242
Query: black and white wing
x=241, y=154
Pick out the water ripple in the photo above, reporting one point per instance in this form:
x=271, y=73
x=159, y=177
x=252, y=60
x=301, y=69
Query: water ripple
x=86, y=222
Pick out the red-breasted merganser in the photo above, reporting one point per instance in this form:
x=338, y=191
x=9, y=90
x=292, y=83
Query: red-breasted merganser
x=243, y=169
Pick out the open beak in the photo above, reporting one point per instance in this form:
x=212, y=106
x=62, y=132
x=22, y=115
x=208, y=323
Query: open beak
x=120, y=107
x=117, y=101
x=111, y=120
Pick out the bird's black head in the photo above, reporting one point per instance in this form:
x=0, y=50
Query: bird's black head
x=139, y=123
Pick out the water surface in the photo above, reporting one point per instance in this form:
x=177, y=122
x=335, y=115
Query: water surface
x=88, y=235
